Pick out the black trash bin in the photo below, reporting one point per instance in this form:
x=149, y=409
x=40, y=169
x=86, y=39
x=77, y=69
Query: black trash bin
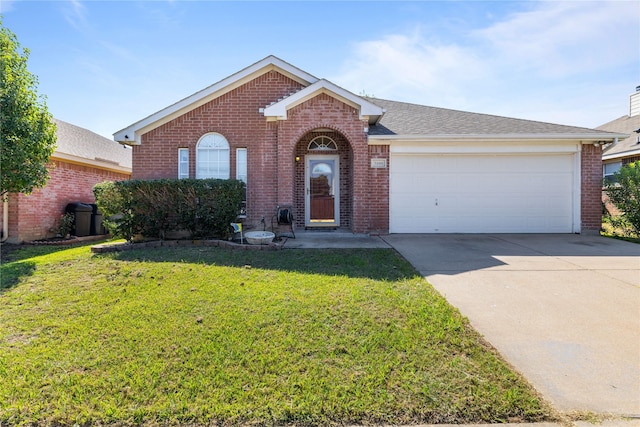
x=96, y=221
x=82, y=218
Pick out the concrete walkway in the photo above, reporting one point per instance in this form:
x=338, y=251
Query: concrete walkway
x=333, y=239
x=564, y=310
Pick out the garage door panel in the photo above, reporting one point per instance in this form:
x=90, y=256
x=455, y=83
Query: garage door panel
x=506, y=193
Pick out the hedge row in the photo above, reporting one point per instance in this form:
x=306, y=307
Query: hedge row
x=203, y=207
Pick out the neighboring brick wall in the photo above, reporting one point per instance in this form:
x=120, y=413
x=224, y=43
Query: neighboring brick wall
x=13, y=213
x=628, y=160
x=591, y=200
x=31, y=217
x=610, y=207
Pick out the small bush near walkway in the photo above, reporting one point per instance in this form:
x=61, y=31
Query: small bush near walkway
x=206, y=336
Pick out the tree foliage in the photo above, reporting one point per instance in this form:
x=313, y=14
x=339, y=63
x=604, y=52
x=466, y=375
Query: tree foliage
x=624, y=193
x=27, y=130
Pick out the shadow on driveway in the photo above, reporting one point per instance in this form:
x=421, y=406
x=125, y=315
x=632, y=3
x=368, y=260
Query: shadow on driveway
x=456, y=253
x=564, y=310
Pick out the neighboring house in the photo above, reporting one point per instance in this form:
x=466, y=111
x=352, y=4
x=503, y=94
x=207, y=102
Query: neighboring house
x=627, y=150
x=81, y=160
x=372, y=165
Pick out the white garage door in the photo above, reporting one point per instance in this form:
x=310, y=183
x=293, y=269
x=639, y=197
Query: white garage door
x=481, y=193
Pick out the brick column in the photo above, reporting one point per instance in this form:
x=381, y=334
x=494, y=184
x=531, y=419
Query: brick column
x=591, y=189
x=378, y=191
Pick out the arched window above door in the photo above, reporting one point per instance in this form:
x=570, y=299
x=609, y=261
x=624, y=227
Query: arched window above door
x=321, y=143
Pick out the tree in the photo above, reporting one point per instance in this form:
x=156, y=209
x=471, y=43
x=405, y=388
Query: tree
x=27, y=130
x=624, y=192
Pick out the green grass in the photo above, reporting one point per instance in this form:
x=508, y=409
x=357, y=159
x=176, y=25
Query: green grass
x=205, y=336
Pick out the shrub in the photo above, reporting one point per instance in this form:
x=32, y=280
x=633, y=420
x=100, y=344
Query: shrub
x=153, y=208
x=624, y=193
x=65, y=225
x=154, y=203
x=115, y=201
x=217, y=205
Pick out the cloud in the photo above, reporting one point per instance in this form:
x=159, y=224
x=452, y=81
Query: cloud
x=551, y=62
x=409, y=67
x=75, y=13
x=119, y=53
x=559, y=39
x=98, y=73
x=6, y=6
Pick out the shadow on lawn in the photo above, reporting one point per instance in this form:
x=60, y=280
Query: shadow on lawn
x=11, y=273
x=378, y=264
x=17, y=263
x=16, y=253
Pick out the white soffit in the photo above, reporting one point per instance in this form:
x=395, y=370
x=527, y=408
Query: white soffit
x=131, y=134
x=366, y=109
x=622, y=154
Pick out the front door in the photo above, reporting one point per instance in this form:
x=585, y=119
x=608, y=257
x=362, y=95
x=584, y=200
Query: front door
x=322, y=204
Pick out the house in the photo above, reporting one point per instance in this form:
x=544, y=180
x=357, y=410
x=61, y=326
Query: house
x=81, y=160
x=372, y=165
x=627, y=150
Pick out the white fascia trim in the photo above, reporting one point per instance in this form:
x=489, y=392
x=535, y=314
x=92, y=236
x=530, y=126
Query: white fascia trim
x=98, y=164
x=577, y=190
x=366, y=109
x=621, y=155
x=131, y=134
x=583, y=138
x=489, y=147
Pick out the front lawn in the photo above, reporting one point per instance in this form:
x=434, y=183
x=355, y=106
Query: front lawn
x=206, y=336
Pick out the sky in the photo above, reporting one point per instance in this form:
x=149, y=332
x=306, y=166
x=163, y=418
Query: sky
x=104, y=65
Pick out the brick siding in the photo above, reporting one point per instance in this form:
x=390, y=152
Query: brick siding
x=324, y=111
x=274, y=176
x=591, y=188
x=379, y=199
x=32, y=216
x=631, y=159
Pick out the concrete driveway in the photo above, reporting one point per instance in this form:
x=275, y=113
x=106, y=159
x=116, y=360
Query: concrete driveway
x=564, y=310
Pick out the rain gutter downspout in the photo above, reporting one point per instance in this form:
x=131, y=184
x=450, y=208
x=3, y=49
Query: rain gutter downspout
x=5, y=217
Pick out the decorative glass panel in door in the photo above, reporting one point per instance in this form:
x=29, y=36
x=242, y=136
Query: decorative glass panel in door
x=322, y=184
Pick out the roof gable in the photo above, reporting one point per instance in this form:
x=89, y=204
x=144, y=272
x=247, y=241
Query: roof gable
x=367, y=110
x=131, y=134
x=628, y=147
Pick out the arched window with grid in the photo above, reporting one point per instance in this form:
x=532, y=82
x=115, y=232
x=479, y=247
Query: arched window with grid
x=212, y=157
x=321, y=143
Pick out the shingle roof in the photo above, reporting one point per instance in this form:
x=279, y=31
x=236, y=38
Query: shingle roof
x=624, y=124
x=81, y=143
x=402, y=118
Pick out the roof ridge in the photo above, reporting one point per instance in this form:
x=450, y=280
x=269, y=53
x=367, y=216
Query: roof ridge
x=83, y=129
